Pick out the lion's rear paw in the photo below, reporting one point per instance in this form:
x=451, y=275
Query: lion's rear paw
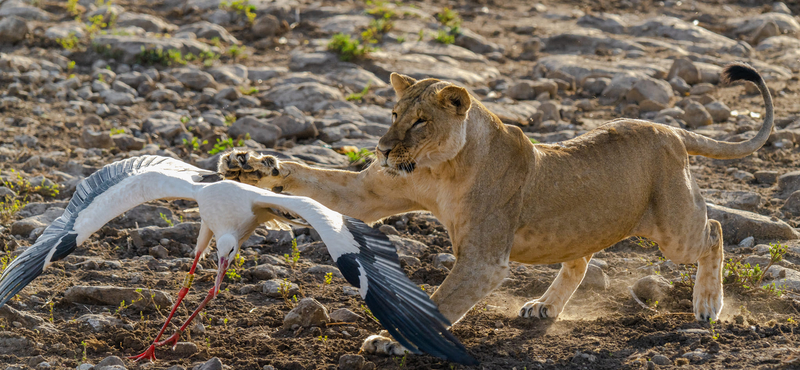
x=380, y=345
x=536, y=309
x=248, y=167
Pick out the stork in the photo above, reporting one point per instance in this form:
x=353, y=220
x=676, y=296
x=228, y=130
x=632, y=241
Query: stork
x=230, y=211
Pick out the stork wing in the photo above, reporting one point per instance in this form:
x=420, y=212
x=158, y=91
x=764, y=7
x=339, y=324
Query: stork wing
x=105, y=194
x=369, y=261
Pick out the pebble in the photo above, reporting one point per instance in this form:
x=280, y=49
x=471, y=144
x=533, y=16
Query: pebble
x=351, y=362
x=308, y=312
x=652, y=288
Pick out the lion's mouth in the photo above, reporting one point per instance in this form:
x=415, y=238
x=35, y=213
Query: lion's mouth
x=407, y=166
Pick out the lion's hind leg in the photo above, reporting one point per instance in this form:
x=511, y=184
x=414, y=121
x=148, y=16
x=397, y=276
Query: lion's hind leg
x=552, y=302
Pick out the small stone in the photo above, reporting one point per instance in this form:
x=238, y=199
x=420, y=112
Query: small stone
x=260, y=130
x=185, y=349
x=6, y=193
x=269, y=26
x=108, y=362
x=13, y=29
x=308, y=312
x=351, y=362
x=679, y=85
x=696, y=115
x=345, y=315
x=766, y=177
x=212, y=364
x=85, y=366
x=747, y=242
x=792, y=204
x=273, y=288
x=680, y=361
x=386, y=229
x=780, y=7
x=702, y=89
x=685, y=69
x=661, y=360
x=35, y=360
x=658, y=91
x=595, y=278
x=743, y=176
x=159, y=252
x=718, y=110
x=444, y=260
x=652, y=288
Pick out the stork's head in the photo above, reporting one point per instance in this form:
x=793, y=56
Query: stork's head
x=227, y=248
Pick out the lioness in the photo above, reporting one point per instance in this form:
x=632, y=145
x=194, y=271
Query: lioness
x=502, y=198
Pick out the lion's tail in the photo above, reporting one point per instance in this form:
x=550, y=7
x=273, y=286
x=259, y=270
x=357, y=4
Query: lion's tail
x=700, y=145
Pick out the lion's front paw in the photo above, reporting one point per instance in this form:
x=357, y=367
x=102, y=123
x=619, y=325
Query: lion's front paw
x=536, y=309
x=382, y=345
x=707, y=302
x=250, y=168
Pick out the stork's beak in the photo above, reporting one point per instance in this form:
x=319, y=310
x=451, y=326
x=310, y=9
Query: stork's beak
x=223, y=267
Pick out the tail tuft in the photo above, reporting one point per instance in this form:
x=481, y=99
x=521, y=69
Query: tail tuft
x=739, y=71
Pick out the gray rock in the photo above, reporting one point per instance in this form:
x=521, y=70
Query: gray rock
x=308, y=312
x=322, y=270
x=780, y=7
x=265, y=73
x=209, y=31
x=345, y=315
x=128, y=48
x=750, y=24
x=25, y=226
x=185, y=232
x=269, y=26
x=145, y=21
x=356, y=78
x=212, y=364
x=702, y=88
x=92, y=139
x=113, y=296
x=719, y=111
x=109, y=362
x=351, y=362
x=317, y=154
x=13, y=29
x=792, y=204
x=659, y=91
x=606, y=22
x=407, y=247
x=6, y=193
x=235, y=74
x=472, y=41
x=100, y=323
x=618, y=87
x=677, y=29
x=163, y=95
x=185, y=349
x=386, y=229
x=652, y=288
x=272, y=288
x=144, y=215
x=295, y=124
x=685, y=69
x=85, y=366
x=789, y=182
x=194, y=78
x=263, y=272
x=259, y=129
x=695, y=115
x=26, y=12
x=117, y=98
x=529, y=90
x=127, y=142
x=133, y=79
x=12, y=343
x=307, y=96
x=228, y=93
x=587, y=41
x=159, y=252
x=11, y=315
x=737, y=225
x=595, y=278
x=777, y=44
x=26, y=140
x=344, y=23
x=301, y=60
x=165, y=124
x=744, y=176
x=444, y=260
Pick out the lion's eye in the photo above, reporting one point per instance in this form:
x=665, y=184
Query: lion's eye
x=420, y=122
x=394, y=117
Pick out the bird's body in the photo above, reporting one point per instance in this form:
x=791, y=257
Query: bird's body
x=231, y=211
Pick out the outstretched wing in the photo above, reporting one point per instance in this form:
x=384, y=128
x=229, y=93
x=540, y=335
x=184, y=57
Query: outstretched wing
x=369, y=261
x=105, y=194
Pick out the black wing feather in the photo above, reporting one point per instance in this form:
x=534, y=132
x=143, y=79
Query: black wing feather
x=60, y=235
x=402, y=308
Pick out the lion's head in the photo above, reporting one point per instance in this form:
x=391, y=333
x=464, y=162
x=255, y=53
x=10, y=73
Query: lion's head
x=428, y=124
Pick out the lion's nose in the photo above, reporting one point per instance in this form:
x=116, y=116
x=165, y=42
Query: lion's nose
x=385, y=152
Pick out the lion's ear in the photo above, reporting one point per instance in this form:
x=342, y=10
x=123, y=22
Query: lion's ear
x=401, y=83
x=456, y=97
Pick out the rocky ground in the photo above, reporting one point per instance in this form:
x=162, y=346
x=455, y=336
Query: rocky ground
x=85, y=83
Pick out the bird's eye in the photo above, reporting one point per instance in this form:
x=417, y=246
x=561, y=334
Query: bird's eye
x=394, y=117
x=419, y=123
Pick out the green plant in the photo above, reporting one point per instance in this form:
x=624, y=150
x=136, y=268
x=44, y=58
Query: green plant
x=241, y=7
x=400, y=361
x=284, y=288
x=421, y=35
x=232, y=272
x=208, y=342
x=194, y=144
x=714, y=334
x=159, y=56
x=329, y=278
x=223, y=145
x=369, y=314
x=84, y=344
x=534, y=141
x=70, y=42
x=347, y=48
x=401, y=39
x=230, y=119
x=748, y=277
x=249, y=90
x=362, y=154
x=291, y=259
x=235, y=51
x=166, y=219
x=449, y=18
x=375, y=31
x=70, y=66
x=116, y=131
x=444, y=37
x=359, y=95
x=322, y=339
x=225, y=321
x=72, y=8
x=97, y=23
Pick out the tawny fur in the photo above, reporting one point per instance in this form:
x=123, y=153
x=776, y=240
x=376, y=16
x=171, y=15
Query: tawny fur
x=502, y=198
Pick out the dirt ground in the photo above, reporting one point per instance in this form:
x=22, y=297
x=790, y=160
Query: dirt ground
x=599, y=329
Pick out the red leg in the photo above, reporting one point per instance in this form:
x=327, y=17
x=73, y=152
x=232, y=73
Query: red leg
x=174, y=338
x=150, y=354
